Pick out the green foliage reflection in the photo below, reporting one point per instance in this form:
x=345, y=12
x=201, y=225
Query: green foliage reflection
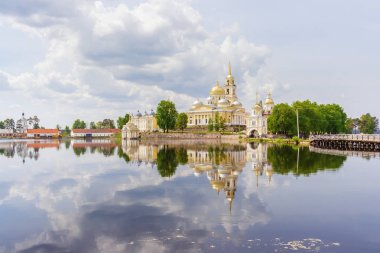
x=167, y=161
x=284, y=160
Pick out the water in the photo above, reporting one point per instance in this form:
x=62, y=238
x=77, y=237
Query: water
x=185, y=197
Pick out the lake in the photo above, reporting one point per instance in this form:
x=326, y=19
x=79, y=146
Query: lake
x=186, y=196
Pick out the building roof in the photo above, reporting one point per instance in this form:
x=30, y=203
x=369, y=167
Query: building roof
x=43, y=131
x=97, y=131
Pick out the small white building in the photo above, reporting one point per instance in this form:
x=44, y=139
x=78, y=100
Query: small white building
x=6, y=133
x=256, y=122
x=89, y=133
x=130, y=131
x=146, y=122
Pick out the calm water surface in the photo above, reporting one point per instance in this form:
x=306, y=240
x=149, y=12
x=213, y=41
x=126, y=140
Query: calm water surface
x=185, y=197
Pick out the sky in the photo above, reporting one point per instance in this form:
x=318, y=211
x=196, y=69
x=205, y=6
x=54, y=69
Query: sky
x=69, y=59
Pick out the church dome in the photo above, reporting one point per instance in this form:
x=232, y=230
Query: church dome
x=223, y=102
x=236, y=103
x=209, y=99
x=138, y=114
x=257, y=107
x=217, y=90
x=269, y=100
x=197, y=103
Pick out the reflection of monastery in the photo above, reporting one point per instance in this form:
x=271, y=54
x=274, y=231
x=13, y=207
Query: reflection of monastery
x=222, y=103
x=257, y=155
x=222, y=164
x=140, y=153
x=93, y=143
x=26, y=149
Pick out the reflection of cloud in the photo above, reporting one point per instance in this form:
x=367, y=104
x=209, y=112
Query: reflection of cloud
x=93, y=200
x=102, y=204
x=208, y=207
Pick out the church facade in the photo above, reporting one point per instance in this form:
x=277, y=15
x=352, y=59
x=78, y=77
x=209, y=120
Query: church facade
x=223, y=103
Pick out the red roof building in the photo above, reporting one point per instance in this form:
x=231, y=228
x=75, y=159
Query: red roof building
x=38, y=133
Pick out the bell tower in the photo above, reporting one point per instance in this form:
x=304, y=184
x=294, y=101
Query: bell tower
x=229, y=86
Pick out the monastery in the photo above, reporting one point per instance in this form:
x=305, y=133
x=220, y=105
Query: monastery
x=221, y=105
x=223, y=102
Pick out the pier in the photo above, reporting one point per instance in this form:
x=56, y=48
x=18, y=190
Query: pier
x=359, y=142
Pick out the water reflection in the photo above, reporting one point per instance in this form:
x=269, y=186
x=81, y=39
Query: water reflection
x=222, y=163
x=286, y=159
x=175, y=197
x=25, y=149
x=31, y=148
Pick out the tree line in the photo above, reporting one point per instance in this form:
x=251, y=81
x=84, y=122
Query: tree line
x=316, y=118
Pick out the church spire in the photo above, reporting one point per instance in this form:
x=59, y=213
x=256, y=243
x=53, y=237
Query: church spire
x=229, y=69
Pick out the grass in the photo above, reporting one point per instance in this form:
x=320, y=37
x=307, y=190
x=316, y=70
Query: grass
x=279, y=141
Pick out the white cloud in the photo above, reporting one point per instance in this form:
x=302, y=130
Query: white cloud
x=4, y=83
x=126, y=58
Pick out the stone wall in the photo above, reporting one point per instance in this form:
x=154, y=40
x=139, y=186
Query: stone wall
x=187, y=136
x=180, y=136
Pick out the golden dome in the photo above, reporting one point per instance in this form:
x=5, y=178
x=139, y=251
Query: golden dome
x=257, y=107
x=269, y=100
x=217, y=90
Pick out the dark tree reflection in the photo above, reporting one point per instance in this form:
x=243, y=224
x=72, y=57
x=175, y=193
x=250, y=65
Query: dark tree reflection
x=287, y=159
x=167, y=161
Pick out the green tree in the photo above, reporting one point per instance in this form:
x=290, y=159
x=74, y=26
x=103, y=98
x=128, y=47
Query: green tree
x=108, y=123
x=210, y=125
x=167, y=161
x=310, y=117
x=351, y=125
x=334, y=118
x=368, y=124
x=166, y=115
x=67, y=130
x=121, y=121
x=99, y=125
x=79, y=124
x=181, y=121
x=222, y=123
x=2, y=125
x=9, y=124
x=283, y=120
x=92, y=125
x=36, y=126
x=217, y=122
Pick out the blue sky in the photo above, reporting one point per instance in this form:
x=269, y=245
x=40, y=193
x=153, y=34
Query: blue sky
x=100, y=59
